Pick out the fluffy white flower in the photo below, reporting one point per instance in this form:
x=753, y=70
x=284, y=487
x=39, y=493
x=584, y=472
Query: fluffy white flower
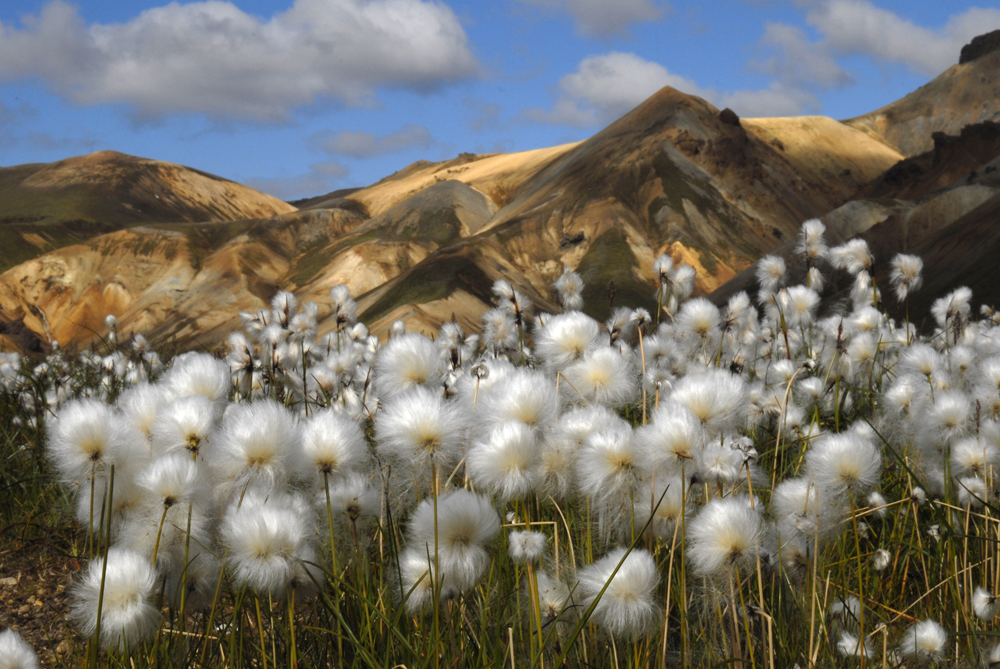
x=924, y=641
x=184, y=425
x=268, y=539
x=332, y=445
x=715, y=397
x=881, y=559
x=626, y=609
x=522, y=395
x=526, y=546
x=905, y=275
x=255, y=447
x=602, y=376
x=566, y=338
x=504, y=463
x=15, y=653
x=419, y=424
x=406, y=361
x=771, y=272
x=88, y=437
x=570, y=289
x=852, y=256
x=726, y=533
x=199, y=374
x=849, y=645
x=845, y=462
x=672, y=439
x=465, y=523
x=128, y=616
x=985, y=604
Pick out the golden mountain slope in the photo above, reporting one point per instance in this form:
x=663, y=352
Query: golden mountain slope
x=962, y=95
x=46, y=206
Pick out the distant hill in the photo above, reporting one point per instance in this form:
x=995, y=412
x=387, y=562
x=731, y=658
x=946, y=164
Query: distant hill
x=44, y=206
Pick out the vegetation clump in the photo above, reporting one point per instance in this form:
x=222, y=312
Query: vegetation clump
x=696, y=486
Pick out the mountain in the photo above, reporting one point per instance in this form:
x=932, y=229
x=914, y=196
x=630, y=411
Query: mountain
x=425, y=244
x=962, y=95
x=46, y=206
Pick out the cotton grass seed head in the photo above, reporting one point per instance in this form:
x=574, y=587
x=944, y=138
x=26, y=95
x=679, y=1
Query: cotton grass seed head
x=465, y=523
x=525, y=546
x=15, y=653
x=256, y=445
x=984, y=604
x=627, y=608
x=504, y=464
x=420, y=424
x=726, y=534
x=88, y=437
x=128, y=617
x=924, y=642
x=332, y=445
x=406, y=361
x=845, y=462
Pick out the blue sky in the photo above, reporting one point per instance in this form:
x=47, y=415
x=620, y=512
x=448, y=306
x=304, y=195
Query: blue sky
x=300, y=97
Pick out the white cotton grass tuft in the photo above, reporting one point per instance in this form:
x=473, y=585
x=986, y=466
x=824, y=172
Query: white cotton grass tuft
x=627, y=608
x=881, y=559
x=522, y=395
x=416, y=580
x=906, y=274
x=268, y=540
x=332, y=446
x=845, y=462
x=257, y=444
x=601, y=376
x=526, y=546
x=419, y=424
x=184, y=425
x=924, y=641
x=849, y=645
x=985, y=604
x=15, y=653
x=199, y=374
x=672, y=439
x=406, y=361
x=771, y=273
x=504, y=464
x=140, y=405
x=811, y=243
x=608, y=469
x=565, y=338
x=569, y=286
x=128, y=616
x=173, y=479
x=726, y=534
x=853, y=256
x=465, y=523
x=553, y=597
x=87, y=437
x=715, y=397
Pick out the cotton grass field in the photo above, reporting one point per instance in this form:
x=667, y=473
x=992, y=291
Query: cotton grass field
x=752, y=486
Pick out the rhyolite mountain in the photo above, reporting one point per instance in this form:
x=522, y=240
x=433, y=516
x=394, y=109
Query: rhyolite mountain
x=176, y=253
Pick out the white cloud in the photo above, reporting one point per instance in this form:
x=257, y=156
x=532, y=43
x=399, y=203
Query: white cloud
x=605, y=87
x=321, y=178
x=777, y=100
x=800, y=61
x=212, y=58
x=852, y=27
x=604, y=17
x=362, y=144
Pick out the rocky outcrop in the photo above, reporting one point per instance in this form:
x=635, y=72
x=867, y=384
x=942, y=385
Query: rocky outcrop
x=980, y=46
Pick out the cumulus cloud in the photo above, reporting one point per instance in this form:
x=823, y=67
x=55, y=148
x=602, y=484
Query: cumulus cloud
x=851, y=27
x=778, y=99
x=321, y=178
x=360, y=144
x=212, y=58
x=800, y=61
x=605, y=87
x=603, y=18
